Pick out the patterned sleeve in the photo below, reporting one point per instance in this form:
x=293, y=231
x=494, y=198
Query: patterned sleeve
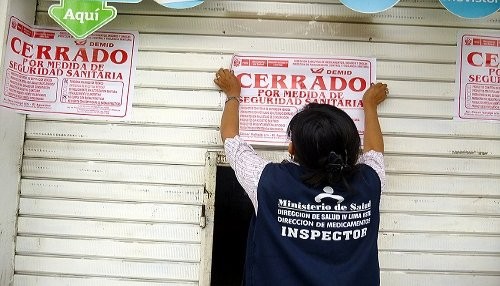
x=247, y=165
x=375, y=160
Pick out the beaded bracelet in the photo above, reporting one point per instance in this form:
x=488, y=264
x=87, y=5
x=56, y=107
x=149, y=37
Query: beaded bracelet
x=231, y=97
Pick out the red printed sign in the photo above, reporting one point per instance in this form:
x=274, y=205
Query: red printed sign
x=478, y=76
x=275, y=87
x=48, y=71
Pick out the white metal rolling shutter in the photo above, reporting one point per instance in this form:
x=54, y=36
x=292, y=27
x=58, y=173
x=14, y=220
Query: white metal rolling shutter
x=120, y=203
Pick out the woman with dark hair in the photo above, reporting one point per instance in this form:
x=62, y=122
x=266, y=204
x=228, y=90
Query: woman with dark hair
x=316, y=216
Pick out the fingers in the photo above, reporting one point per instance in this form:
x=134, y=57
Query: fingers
x=376, y=94
x=219, y=80
x=219, y=73
x=379, y=88
x=219, y=77
x=385, y=89
x=224, y=74
x=227, y=82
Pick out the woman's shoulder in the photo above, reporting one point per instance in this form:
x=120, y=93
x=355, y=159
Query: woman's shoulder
x=283, y=165
x=285, y=168
x=366, y=175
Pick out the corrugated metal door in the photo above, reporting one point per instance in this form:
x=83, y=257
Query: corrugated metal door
x=120, y=203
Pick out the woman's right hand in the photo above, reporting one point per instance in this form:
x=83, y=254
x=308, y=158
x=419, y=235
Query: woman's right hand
x=374, y=95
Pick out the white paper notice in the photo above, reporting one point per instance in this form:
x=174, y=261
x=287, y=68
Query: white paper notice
x=49, y=72
x=478, y=76
x=275, y=87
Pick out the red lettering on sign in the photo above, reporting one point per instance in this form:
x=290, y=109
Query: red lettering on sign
x=258, y=63
x=488, y=42
x=298, y=80
x=281, y=81
x=277, y=63
x=62, y=53
x=478, y=59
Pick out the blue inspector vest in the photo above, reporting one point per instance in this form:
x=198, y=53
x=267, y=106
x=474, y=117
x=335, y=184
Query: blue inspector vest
x=303, y=236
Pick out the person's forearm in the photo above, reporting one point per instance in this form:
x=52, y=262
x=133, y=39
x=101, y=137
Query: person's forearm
x=375, y=94
x=231, y=86
x=229, y=125
x=373, y=139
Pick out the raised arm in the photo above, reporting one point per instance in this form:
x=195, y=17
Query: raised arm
x=373, y=134
x=230, y=85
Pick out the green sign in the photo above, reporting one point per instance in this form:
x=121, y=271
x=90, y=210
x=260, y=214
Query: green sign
x=82, y=17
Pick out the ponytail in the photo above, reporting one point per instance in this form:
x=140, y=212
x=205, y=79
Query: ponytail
x=327, y=144
x=334, y=170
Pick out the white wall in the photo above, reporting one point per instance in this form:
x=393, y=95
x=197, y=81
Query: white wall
x=11, y=142
x=126, y=197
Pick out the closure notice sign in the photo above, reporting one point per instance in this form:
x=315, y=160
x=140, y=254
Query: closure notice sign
x=275, y=87
x=47, y=71
x=478, y=76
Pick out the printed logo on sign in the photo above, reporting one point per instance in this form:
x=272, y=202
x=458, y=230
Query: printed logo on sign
x=236, y=62
x=468, y=41
x=317, y=70
x=80, y=42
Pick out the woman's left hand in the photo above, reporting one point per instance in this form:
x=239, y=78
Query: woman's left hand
x=228, y=82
